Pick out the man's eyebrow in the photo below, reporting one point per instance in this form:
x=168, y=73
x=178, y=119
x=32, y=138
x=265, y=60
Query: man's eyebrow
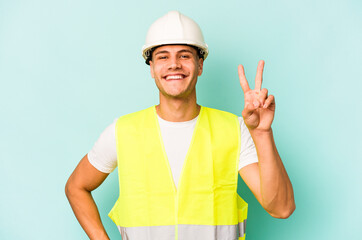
x=181, y=51
x=164, y=51
x=185, y=50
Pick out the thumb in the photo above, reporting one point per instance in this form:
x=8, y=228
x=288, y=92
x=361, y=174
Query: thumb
x=248, y=110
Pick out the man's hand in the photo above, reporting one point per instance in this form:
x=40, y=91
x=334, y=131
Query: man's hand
x=259, y=108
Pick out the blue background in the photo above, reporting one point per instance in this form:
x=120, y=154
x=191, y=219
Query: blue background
x=69, y=68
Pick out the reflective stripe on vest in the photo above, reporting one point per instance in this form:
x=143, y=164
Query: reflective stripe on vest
x=205, y=204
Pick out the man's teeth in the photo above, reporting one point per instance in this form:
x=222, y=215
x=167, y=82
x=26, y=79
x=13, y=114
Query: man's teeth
x=174, y=77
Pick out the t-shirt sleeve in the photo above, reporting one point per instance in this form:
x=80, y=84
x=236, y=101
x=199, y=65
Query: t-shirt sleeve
x=103, y=155
x=247, y=147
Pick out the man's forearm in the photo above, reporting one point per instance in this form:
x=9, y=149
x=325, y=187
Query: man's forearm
x=86, y=211
x=276, y=189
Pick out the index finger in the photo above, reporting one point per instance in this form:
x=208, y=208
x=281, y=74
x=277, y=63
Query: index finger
x=243, y=82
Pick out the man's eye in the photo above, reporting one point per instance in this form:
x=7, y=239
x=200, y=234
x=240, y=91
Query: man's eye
x=162, y=57
x=185, y=56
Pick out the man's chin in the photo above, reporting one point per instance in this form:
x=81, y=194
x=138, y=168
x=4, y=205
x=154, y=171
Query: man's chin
x=176, y=95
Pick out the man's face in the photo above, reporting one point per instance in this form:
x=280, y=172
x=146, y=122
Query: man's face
x=175, y=69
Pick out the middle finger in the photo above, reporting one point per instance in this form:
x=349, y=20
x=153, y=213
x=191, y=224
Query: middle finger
x=259, y=75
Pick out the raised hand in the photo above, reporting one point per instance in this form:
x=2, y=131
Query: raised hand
x=259, y=108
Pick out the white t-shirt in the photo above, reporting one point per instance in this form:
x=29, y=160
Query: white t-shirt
x=176, y=138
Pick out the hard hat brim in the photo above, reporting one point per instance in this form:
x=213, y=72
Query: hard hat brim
x=146, y=48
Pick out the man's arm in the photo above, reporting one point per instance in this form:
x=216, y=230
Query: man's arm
x=267, y=179
x=80, y=184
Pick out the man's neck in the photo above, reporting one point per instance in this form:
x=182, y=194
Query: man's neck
x=178, y=110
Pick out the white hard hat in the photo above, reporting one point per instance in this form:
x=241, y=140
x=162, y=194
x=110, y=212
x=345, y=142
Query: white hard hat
x=174, y=28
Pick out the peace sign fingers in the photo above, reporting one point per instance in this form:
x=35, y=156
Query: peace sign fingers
x=258, y=78
x=259, y=108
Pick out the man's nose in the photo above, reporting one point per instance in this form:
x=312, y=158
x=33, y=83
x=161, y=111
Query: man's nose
x=174, y=63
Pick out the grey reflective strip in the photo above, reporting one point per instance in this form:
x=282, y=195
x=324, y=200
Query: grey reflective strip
x=185, y=232
x=207, y=232
x=148, y=233
x=242, y=228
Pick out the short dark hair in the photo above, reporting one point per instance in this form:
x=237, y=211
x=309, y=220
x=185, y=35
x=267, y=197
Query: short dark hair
x=199, y=51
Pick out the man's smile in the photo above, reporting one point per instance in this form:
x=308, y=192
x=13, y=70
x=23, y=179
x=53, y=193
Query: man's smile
x=170, y=77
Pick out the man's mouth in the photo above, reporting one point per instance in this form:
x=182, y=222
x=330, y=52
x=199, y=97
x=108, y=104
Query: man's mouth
x=174, y=77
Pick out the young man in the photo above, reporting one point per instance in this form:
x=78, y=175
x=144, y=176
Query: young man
x=178, y=161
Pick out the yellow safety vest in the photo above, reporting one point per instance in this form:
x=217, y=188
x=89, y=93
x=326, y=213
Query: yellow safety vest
x=205, y=204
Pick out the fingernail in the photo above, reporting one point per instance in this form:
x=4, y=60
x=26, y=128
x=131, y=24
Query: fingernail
x=256, y=104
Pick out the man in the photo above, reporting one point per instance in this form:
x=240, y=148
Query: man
x=178, y=161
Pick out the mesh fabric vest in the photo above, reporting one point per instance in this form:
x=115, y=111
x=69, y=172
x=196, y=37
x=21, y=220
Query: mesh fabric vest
x=204, y=205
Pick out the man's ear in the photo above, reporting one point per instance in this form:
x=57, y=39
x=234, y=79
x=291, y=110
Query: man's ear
x=151, y=69
x=201, y=65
